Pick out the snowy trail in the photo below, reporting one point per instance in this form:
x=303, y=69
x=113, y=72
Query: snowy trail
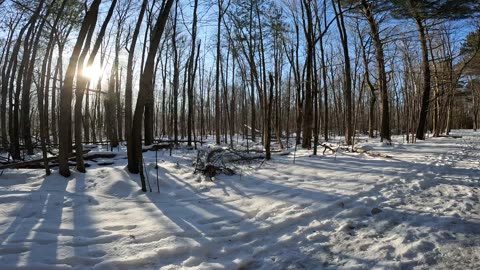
x=419, y=210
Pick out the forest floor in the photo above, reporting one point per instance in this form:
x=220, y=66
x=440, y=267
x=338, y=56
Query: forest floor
x=419, y=209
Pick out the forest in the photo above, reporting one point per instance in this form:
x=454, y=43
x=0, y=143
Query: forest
x=121, y=90
x=77, y=72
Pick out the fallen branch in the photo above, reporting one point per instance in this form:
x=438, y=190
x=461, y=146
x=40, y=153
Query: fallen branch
x=250, y=128
x=371, y=153
x=329, y=147
x=354, y=150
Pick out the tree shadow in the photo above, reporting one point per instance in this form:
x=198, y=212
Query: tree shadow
x=210, y=224
x=415, y=228
x=435, y=223
x=32, y=238
x=85, y=234
x=231, y=225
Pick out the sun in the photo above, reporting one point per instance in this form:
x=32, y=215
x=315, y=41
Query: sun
x=92, y=72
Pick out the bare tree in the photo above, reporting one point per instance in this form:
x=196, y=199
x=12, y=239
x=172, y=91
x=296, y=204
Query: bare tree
x=146, y=85
x=65, y=117
x=348, y=72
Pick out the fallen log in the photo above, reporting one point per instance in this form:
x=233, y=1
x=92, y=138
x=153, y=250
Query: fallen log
x=30, y=163
x=160, y=146
x=105, y=163
x=178, y=141
x=94, y=156
x=450, y=136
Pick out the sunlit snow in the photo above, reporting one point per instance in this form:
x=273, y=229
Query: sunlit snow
x=417, y=210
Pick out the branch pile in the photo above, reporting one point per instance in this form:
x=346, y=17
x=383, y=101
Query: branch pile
x=214, y=161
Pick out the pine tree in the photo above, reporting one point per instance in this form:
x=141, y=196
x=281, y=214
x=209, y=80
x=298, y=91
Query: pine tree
x=421, y=11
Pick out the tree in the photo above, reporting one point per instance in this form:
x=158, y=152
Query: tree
x=112, y=102
x=348, y=71
x=292, y=53
x=42, y=90
x=191, y=75
x=82, y=83
x=308, y=29
x=129, y=79
x=220, y=4
x=146, y=85
x=268, y=130
x=9, y=57
x=65, y=117
x=176, y=75
x=470, y=52
x=368, y=8
x=30, y=49
x=17, y=84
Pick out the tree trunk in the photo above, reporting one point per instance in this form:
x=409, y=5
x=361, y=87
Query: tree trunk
x=191, y=76
x=5, y=81
x=382, y=75
x=10, y=86
x=65, y=116
x=45, y=79
x=56, y=74
x=176, y=76
x=348, y=73
x=217, y=74
x=308, y=104
x=422, y=120
x=129, y=79
x=268, y=120
x=27, y=69
x=146, y=85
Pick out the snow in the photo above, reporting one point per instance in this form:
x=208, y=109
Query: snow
x=417, y=210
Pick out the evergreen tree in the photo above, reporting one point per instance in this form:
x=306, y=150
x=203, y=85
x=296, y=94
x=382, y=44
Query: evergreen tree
x=421, y=11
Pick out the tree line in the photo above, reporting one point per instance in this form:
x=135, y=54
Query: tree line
x=287, y=72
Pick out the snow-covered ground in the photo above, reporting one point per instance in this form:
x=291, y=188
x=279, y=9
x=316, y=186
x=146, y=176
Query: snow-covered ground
x=417, y=210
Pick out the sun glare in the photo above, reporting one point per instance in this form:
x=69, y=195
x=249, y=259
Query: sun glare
x=92, y=72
